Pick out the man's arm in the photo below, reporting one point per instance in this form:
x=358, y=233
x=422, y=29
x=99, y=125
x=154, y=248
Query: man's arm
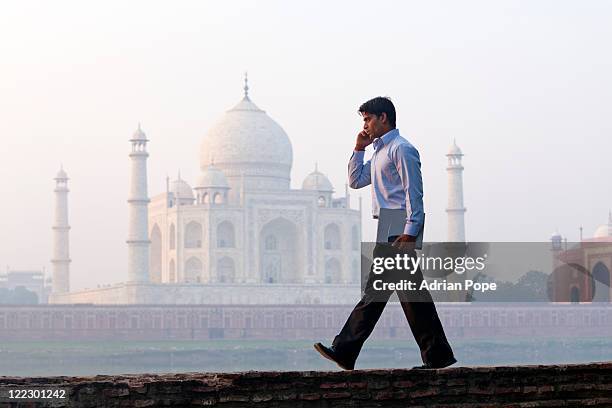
x=359, y=173
x=408, y=164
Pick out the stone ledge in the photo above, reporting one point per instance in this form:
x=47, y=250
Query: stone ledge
x=572, y=385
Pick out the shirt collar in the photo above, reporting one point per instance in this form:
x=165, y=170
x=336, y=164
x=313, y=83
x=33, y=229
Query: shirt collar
x=385, y=139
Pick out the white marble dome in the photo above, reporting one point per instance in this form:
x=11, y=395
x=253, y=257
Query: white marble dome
x=212, y=177
x=245, y=141
x=61, y=174
x=454, y=150
x=604, y=230
x=139, y=134
x=181, y=189
x=317, y=181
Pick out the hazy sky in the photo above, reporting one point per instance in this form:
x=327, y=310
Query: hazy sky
x=524, y=87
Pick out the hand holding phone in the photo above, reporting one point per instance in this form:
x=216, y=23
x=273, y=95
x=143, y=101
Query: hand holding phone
x=363, y=140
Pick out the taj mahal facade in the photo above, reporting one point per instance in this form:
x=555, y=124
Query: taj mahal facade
x=242, y=223
x=240, y=234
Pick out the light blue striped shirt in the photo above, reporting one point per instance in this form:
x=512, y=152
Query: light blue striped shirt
x=395, y=174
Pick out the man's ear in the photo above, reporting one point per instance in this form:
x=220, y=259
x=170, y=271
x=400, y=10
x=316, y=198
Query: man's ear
x=384, y=118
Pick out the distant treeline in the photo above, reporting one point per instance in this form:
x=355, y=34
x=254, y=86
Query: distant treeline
x=20, y=296
x=533, y=286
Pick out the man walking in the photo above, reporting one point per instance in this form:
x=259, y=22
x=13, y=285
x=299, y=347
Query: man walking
x=395, y=175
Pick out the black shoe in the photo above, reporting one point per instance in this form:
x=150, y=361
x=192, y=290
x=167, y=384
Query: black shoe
x=330, y=354
x=430, y=366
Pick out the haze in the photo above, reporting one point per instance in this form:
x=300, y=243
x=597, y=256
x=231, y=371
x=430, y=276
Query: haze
x=524, y=87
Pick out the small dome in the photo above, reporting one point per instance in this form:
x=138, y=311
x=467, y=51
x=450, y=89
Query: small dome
x=604, y=230
x=212, y=177
x=454, y=150
x=317, y=181
x=181, y=189
x=139, y=134
x=61, y=174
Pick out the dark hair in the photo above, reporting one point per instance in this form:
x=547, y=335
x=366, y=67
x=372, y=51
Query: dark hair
x=379, y=105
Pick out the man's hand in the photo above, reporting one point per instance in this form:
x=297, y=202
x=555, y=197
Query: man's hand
x=404, y=243
x=363, y=140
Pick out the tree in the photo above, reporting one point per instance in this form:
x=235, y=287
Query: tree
x=18, y=296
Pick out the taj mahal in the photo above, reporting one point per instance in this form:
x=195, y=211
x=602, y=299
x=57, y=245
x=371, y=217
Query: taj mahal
x=240, y=234
x=241, y=222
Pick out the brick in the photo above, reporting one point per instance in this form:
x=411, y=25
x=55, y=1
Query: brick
x=425, y=392
x=203, y=388
x=309, y=396
x=403, y=384
x=455, y=381
x=400, y=394
x=286, y=395
x=378, y=385
x=585, y=402
x=334, y=395
x=546, y=404
x=144, y=403
x=260, y=397
x=358, y=385
x=279, y=386
x=116, y=392
x=382, y=395
x=170, y=389
x=574, y=387
x=361, y=395
x=206, y=402
x=87, y=390
x=333, y=385
x=454, y=391
x=481, y=390
x=233, y=398
x=506, y=390
x=139, y=390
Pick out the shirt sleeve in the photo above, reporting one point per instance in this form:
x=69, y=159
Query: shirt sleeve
x=359, y=173
x=408, y=164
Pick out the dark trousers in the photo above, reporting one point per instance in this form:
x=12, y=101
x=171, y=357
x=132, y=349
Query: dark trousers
x=418, y=307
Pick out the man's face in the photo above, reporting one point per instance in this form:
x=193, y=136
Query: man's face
x=374, y=125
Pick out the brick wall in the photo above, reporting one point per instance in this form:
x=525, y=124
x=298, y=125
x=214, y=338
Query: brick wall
x=578, y=385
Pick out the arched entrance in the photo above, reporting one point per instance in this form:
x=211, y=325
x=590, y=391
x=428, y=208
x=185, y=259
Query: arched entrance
x=575, y=295
x=601, y=280
x=226, y=237
x=193, y=270
x=280, y=252
x=193, y=235
x=331, y=237
x=226, y=271
x=333, y=271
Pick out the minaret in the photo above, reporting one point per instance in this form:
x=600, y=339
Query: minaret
x=138, y=200
x=455, y=209
x=61, y=256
